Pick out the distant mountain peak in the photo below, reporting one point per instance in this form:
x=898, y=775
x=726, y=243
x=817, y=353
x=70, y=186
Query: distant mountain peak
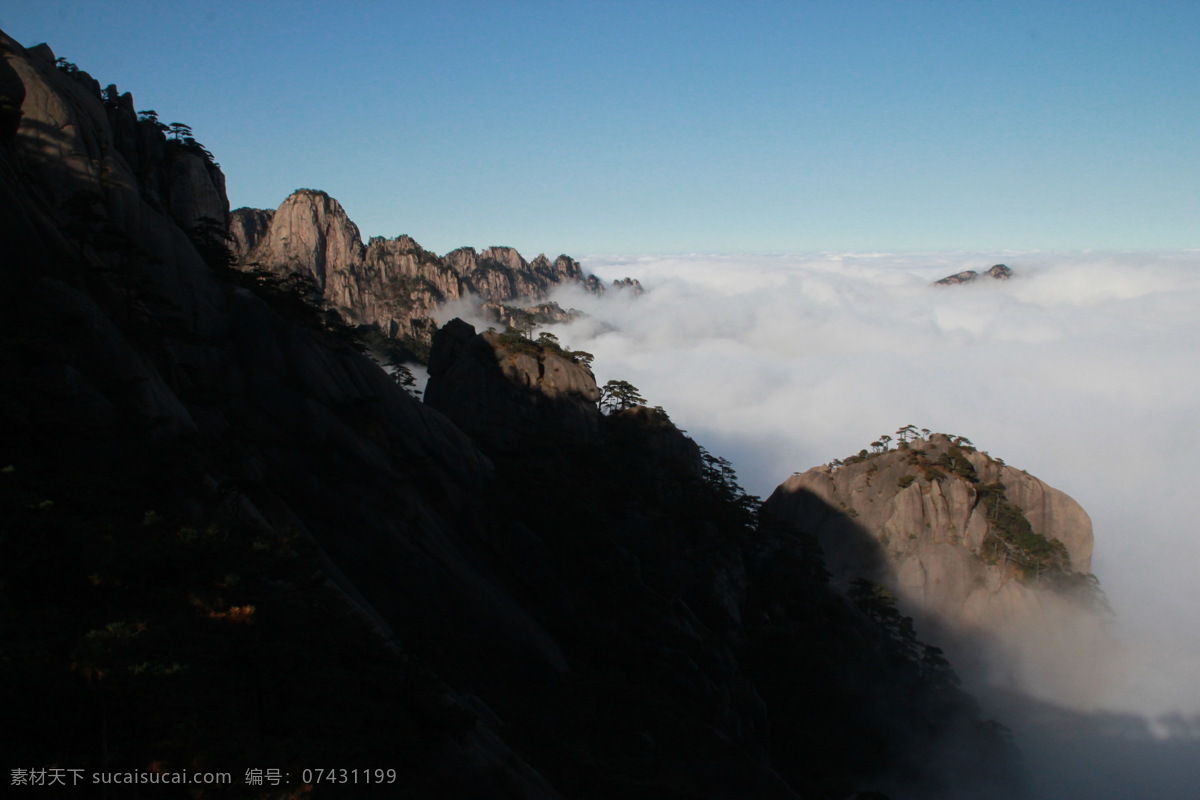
x=1000, y=272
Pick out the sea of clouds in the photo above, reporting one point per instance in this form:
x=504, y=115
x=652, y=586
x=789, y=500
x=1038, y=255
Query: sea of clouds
x=1083, y=369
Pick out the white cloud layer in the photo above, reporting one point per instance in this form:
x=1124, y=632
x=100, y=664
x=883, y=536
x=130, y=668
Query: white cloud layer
x=1083, y=369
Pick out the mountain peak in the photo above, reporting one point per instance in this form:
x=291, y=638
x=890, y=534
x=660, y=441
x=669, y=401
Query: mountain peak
x=970, y=546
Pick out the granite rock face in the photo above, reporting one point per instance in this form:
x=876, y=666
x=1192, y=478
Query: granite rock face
x=81, y=136
x=928, y=521
x=947, y=507
x=311, y=234
x=247, y=227
x=392, y=284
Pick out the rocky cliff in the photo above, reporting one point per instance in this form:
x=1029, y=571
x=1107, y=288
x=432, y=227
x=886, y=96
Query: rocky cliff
x=977, y=551
x=394, y=284
x=232, y=541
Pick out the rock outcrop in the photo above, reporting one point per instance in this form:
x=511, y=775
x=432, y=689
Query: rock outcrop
x=998, y=272
x=974, y=550
x=508, y=392
x=528, y=317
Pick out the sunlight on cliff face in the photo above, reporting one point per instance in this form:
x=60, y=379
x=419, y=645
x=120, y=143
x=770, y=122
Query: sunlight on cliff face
x=1081, y=369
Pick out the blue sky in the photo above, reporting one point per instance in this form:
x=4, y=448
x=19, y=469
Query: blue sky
x=587, y=127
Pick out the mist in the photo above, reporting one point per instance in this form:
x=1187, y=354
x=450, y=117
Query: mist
x=1082, y=369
